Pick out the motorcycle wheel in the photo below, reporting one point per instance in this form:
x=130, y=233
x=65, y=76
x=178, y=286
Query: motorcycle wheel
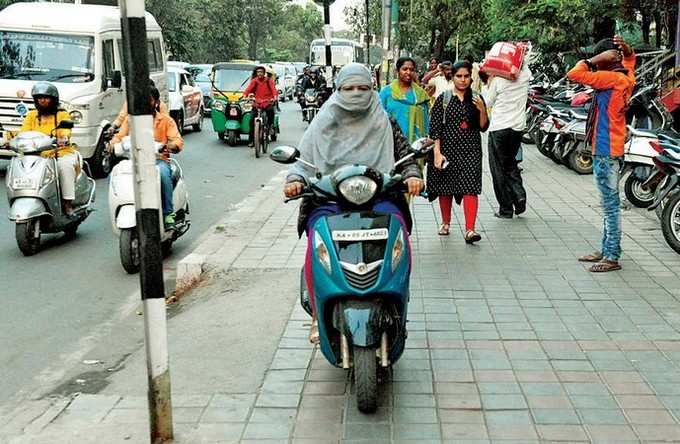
x=27, y=241
x=128, y=245
x=538, y=140
x=581, y=162
x=232, y=138
x=670, y=222
x=257, y=135
x=635, y=194
x=366, y=379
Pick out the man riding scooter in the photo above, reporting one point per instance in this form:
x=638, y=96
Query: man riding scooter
x=316, y=83
x=263, y=90
x=164, y=131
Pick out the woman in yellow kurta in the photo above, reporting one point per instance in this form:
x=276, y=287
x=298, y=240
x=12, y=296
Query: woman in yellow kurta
x=45, y=118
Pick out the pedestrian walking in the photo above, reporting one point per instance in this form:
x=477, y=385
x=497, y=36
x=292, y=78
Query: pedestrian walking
x=508, y=99
x=433, y=69
x=406, y=102
x=443, y=80
x=612, y=74
x=458, y=118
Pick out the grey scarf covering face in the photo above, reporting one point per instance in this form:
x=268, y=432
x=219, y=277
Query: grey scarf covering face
x=351, y=128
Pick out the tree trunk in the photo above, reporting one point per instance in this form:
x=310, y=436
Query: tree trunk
x=646, y=23
x=252, y=42
x=433, y=37
x=671, y=26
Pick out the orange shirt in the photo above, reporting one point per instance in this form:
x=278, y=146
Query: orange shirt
x=613, y=91
x=164, y=131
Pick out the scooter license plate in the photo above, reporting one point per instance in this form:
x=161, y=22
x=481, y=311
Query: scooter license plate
x=23, y=183
x=360, y=235
x=233, y=112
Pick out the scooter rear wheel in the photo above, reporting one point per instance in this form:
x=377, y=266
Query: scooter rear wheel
x=366, y=379
x=581, y=162
x=129, y=250
x=670, y=222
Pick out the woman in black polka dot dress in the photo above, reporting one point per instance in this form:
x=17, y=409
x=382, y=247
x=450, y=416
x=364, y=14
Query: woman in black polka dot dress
x=457, y=119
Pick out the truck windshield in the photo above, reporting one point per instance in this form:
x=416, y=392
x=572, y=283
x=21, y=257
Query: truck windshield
x=49, y=57
x=232, y=79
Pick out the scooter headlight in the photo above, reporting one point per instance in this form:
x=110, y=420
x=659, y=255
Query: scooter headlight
x=358, y=189
x=218, y=105
x=322, y=252
x=398, y=250
x=48, y=177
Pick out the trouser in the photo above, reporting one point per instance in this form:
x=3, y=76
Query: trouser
x=470, y=208
x=166, y=186
x=606, y=174
x=507, y=179
x=270, y=119
x=68, y=166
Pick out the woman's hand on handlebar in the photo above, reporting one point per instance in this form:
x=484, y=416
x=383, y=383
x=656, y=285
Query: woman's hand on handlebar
x=293, y=189
x=415, y=186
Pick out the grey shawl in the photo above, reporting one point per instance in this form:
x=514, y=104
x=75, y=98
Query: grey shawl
x=351, y=128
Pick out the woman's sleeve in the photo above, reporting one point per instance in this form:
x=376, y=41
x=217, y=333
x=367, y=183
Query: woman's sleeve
x=426, y=110
x=401, y=149
x=437, y=117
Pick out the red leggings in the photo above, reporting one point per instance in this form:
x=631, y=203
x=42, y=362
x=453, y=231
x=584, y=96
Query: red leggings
x=470, y=207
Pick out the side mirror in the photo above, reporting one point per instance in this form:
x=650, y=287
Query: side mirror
x=422, y=146
x=116, y=81
x=65, y=124
x=285, y=154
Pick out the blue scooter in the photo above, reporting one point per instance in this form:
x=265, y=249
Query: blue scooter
x=361, y=263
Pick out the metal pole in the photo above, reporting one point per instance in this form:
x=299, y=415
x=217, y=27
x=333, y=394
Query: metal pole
x=386, y=28
x=395, y=30
x=328, y=34
x=147, y=199
x=368, y=37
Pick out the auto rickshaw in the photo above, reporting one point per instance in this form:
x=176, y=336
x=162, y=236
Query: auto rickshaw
x=231, y=116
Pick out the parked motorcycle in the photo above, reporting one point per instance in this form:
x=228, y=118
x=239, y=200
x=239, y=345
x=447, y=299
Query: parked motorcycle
x=361, y=266
x=641, y=175
x=34, y=194
x=122, y=207
x=668, y=191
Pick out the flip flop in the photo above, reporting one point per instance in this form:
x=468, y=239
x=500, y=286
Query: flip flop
x=595, y=257
x=605, y=266
x=444, y=230
x=314, y=333
x=472, y=236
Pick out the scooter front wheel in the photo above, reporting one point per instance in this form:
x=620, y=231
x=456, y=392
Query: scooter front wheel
x=366, y=379
x=129, y=250
x=28, y=237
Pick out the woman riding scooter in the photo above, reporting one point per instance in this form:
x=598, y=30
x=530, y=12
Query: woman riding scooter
x=376, y=142
x=164, y=131
x=45, y=118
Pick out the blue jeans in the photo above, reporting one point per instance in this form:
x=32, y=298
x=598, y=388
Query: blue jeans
x=166, y=186
x=606, y=172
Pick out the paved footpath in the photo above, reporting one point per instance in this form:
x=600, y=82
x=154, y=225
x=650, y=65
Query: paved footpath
x=511, y=340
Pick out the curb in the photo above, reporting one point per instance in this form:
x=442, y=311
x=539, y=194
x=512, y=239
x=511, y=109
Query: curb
x=234, y=228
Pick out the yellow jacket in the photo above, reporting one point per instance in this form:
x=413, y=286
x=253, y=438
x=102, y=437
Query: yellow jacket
x=46, y=124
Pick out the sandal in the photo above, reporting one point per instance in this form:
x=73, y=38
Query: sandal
x=472, y=236
x=314, y=332
x=604, y=266
x=444, y=230
x=595, y=257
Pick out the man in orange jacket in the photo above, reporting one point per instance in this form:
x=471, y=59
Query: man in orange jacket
x=612, y=74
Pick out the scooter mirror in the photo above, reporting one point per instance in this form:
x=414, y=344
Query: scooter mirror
x=285, y=154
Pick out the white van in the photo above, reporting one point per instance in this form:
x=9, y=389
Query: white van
x=79, y=49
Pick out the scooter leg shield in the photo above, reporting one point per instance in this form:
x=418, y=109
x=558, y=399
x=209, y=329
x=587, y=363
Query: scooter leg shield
x=126, y=217
x=25, y=208
x=360, y=321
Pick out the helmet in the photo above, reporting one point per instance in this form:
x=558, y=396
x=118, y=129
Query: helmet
x=269, y=70
x=314, y=70
x=45, y=89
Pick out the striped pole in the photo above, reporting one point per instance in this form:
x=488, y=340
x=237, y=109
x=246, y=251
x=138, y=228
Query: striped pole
x=147, y=203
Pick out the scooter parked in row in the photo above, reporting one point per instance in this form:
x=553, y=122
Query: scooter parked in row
x=122, y=207
x=34, y=193
x=668, y=192
x=361, y=263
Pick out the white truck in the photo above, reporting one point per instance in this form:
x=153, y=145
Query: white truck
x=79, y=49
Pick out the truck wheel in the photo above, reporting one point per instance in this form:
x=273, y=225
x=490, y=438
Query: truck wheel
x=581, y=162
x=101, y=162
x=670, y=222
x=366, y=379
x=198, y=126
x=129, y=250
x=27, y=239
x=232, y=138
x=635, y=194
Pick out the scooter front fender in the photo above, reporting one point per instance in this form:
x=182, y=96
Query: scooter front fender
x=126, y=217
x=361, y=322
x=25, y=208
x=661, y=194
